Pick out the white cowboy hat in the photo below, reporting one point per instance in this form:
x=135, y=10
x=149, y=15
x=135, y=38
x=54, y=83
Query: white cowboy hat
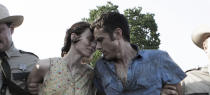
x=15, y=20
x=200, y=35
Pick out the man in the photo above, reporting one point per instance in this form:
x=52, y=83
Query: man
x=14, y=64
x=125, y=70
x=197, y=81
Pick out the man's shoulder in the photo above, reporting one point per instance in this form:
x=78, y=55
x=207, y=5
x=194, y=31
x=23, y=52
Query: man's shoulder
x=197, y=70
x=26, y=53
x=193, y=70
x=24, y=57
x=197, y=74
x=197, y=81
x=151, y=52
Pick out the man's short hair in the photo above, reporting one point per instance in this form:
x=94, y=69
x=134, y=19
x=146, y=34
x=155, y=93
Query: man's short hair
x=112, y=20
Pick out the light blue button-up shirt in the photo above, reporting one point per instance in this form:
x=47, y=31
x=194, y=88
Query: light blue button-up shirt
x=149, y=71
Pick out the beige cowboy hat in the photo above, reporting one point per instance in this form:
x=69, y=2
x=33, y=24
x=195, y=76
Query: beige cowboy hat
x=16, y=20
x=200, y=35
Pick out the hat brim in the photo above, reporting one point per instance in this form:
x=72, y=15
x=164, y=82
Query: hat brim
x=15, y=20
x=200, y=35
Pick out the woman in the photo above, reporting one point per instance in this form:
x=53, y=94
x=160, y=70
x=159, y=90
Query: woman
x=66, y=75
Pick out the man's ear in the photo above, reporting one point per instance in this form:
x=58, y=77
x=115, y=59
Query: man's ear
x=205, y=46
x=74, y=37
x=12, y=30
x=118, y=33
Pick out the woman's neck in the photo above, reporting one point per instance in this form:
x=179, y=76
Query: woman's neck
x=72, y=58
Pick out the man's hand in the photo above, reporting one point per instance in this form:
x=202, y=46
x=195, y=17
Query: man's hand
x=33, y=88
x=36, y=76
x=169, y=90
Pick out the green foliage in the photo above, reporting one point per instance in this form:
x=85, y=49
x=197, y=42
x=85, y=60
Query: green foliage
x=95, y=13
x=143, y=28
x=95, y=57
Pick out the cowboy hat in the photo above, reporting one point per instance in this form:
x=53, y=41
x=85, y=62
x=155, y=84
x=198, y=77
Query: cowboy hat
x=15, y=20
x=200, y=35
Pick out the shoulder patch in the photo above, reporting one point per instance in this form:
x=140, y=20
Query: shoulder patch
x=25, y=52
x=199, y=68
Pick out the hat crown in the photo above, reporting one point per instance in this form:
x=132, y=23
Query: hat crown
x=200, y=34
x=3, y=12
x=15, y=20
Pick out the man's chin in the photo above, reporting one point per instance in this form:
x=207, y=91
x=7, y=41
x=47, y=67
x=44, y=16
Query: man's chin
x=109, y=58
x=1, y=50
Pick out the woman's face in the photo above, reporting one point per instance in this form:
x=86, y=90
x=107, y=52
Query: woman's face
x=86, y=44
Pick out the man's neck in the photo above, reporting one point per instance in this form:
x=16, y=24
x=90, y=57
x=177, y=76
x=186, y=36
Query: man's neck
x=127, y=53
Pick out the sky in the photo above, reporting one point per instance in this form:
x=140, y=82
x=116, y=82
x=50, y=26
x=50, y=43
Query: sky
x=46, y=21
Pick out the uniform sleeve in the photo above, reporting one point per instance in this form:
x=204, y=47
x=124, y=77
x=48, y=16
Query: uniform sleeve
x=171, y=73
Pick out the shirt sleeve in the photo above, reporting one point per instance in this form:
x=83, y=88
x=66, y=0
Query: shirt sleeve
x=171, y=73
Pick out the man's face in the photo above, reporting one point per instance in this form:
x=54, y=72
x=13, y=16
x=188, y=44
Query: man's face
x=105, y=44
x=5, y=37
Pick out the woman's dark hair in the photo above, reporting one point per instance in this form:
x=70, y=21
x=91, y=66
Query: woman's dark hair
x=77, y=28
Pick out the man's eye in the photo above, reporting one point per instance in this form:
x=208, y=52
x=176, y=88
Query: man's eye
x=100, y=39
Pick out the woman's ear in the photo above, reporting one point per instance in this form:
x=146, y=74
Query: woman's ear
x=74, y=38
x=118, y=33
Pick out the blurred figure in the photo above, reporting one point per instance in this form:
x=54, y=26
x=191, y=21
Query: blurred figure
x=197, y=81
x=15, y=64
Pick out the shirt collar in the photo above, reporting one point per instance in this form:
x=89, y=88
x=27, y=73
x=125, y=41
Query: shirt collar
x=135, y=47
x=12, y=51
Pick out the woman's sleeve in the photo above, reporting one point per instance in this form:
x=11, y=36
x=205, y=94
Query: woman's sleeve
x=52, y=83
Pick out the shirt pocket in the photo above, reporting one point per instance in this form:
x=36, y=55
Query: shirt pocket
x=112, y=86
x=146, y=82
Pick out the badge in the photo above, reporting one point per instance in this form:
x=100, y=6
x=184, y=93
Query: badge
x=22, y=67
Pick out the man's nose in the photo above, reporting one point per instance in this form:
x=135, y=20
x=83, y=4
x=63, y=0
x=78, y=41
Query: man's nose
x=93, y=45
x=98, y=47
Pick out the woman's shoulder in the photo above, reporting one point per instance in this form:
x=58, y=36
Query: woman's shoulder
x=51, y=62
x=55, y=60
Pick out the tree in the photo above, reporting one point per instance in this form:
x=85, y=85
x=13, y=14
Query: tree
x=143, y=28
x=95, y=13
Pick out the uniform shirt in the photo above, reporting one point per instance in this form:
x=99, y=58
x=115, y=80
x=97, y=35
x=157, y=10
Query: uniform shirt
x=197, y=82
x=20, y=62
x=146, y=75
